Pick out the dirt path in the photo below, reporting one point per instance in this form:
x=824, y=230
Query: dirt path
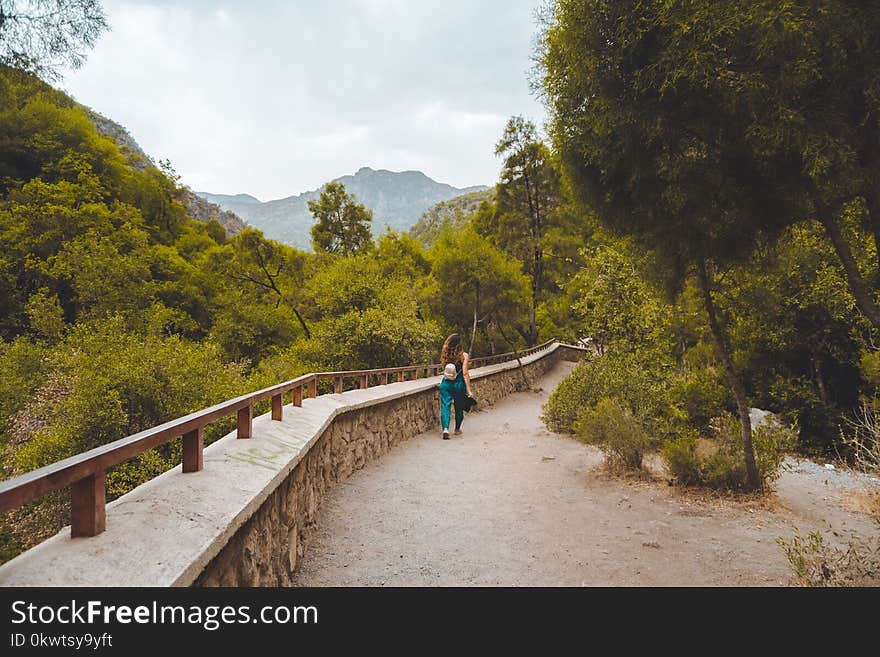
x=509, y=503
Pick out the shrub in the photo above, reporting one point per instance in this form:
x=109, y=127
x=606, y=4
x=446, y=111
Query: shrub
x=617, y=432
x=618, y=401
x=107, y=383
x=861, y=437
x=562, y=408
x=680, y=456
x=22, y=367
x=722, y=465
x=771, y=441
x=629, y=378
x=723, y=469
x=816, y=563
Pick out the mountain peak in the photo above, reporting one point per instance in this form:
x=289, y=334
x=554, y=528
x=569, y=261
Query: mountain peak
x=397, y=199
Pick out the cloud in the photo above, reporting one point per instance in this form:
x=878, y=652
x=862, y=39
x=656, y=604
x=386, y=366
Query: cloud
x=274, y=98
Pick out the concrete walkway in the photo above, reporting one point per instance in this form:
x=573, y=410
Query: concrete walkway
x=509, y=503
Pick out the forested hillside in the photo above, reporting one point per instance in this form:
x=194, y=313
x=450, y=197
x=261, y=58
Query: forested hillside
x=454, y=213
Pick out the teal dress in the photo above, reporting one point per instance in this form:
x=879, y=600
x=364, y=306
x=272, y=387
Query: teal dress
x=452, y=391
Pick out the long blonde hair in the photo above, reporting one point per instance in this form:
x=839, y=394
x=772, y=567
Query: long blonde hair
x=452, y=350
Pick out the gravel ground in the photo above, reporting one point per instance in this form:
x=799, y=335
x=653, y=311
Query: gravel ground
x=509, y=503
x=837, y=477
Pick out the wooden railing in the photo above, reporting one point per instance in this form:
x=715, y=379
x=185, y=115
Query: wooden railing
x=85, y=473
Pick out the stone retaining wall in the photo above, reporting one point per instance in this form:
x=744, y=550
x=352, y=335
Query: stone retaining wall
x=266, y=549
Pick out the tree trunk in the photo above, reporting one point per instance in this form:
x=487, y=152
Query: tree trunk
x=536, y=291
x=302, y=322
x=537, y=274
x=533, y=324
x=474, y=330
x=485, y=331
x=857, y=285
x=736, y=384
x=522, y=370
x=816, y=362
x=534, y=232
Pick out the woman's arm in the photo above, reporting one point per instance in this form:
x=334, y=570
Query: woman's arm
x=465, y=358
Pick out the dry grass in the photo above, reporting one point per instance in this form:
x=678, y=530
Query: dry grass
x=726, y=499
x=866, y=501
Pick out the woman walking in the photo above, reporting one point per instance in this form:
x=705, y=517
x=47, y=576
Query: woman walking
x=455, y=386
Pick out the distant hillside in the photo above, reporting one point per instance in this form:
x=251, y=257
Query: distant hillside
x=455, y=211
x=397, y=199
x=197, y=207
x=231, y=202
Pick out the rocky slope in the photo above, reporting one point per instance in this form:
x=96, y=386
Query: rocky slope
x=203, y=210
x=129, y=147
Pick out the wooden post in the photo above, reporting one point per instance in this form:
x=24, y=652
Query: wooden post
x=313, y=388
x=363, y=381
x=401, y=376
x=337, y=384
x=245, y=421
x=298, y=396
x=193, y=445
x=384, y=378
x=277, y=407
x=88, y=512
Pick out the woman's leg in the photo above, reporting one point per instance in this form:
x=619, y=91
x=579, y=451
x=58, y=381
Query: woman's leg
x=445, y=401
x=459, y=413
x=459, y=409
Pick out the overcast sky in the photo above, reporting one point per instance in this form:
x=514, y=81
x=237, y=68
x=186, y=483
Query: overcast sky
x=273, y=98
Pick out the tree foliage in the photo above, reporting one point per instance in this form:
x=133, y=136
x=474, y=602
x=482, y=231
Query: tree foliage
x=656, y=149
x=526, y=207
x=42, y=36
x=474, y=286
x=616, y=306
x=342, y=224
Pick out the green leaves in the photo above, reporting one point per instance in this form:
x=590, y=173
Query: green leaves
x=649, y=132
x=342, y=224
x=107, y=382
x=471, y=280
x=616, y=306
